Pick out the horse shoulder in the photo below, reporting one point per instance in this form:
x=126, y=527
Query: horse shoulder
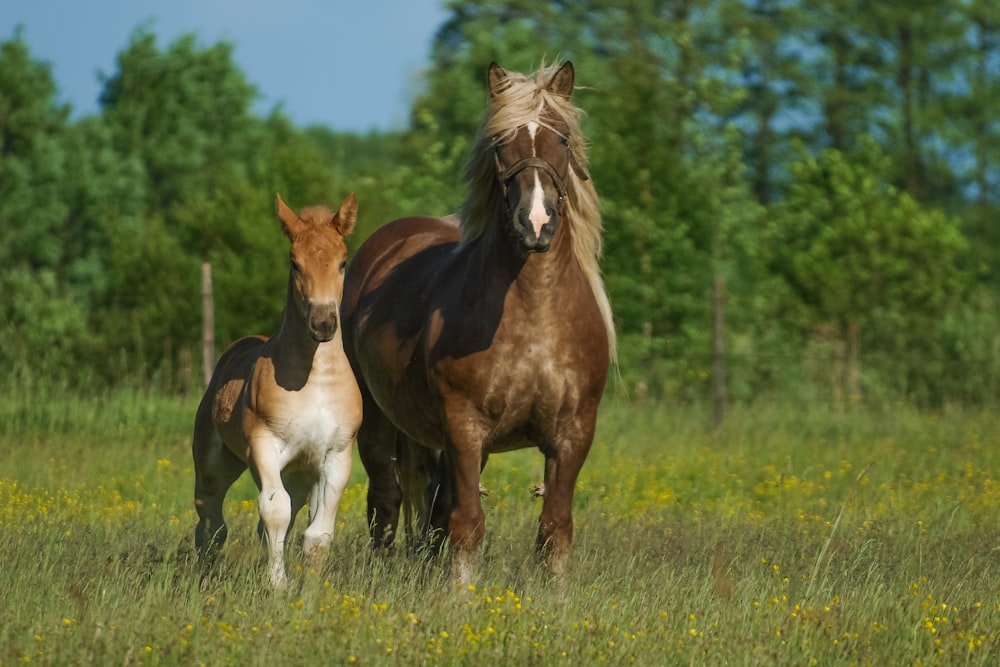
x=231, y=375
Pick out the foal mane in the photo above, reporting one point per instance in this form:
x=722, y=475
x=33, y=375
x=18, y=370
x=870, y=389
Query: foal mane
x=521, y=100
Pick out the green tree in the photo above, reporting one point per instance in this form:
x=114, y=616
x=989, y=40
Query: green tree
x=183, y=116
x=32, y=162
x=973, y=129
x=43, y=325
x=885, y=70
x=773, y=108
x=866, y=259
x=922, y=41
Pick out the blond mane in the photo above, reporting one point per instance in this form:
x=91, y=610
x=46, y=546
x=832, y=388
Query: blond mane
x=523, y=99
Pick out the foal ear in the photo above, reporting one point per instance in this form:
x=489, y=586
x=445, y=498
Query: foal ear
x=290, y=222
x=347, y=215
x=562, y=81
x=497, y=79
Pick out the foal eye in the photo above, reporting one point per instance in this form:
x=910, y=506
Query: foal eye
x=343, y=266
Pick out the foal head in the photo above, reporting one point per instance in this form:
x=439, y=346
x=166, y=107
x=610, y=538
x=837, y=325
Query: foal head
x=533, y=156
x=318, y=259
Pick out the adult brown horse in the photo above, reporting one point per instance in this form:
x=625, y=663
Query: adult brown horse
x=287, y=407
x=488, y=334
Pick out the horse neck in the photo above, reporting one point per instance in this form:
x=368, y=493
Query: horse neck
x=538, y=276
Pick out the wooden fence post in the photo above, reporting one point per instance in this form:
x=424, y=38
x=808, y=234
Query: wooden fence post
x=207, y=322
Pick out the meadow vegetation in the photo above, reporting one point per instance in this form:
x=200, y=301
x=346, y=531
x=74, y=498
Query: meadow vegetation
x=792, y=535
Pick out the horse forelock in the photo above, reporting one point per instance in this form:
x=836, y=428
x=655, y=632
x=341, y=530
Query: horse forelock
x=315, y=215
x=523, y=99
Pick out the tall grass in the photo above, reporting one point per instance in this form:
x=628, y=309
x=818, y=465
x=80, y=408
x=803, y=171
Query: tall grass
x=790, y=536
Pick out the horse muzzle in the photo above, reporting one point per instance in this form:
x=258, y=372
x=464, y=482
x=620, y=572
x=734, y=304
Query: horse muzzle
x=321, y=320
x=531, y=236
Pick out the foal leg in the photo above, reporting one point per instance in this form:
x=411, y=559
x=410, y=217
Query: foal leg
x=324, y=502
x=216, y=468
x=273, y=502
x=298, y=485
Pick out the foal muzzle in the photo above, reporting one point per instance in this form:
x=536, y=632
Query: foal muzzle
x=321, y=319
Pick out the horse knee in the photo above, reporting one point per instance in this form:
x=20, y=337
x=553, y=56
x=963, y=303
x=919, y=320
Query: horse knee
x=275, y=508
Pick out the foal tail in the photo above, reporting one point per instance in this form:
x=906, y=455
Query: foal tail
x=416, y=472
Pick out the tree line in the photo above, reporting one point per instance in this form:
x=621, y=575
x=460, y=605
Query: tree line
x=836, y=164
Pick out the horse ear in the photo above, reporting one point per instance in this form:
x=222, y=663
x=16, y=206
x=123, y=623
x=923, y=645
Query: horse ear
x=347, y=215
x=290, y=222
x=562, y=81
x=497, y=78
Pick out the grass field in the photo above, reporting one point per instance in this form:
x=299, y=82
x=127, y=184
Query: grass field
x=791, y=536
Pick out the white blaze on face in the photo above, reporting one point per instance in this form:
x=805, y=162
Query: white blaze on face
x=537, y=213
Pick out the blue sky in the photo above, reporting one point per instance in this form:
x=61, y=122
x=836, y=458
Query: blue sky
x=352, y=65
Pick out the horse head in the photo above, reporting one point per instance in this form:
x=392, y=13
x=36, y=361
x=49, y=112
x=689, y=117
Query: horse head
x=318, y=259
x=532, y=165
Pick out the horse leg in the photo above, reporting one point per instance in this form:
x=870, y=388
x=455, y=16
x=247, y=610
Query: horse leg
x=555, y=524
x=298, y=485
x=273, y=502
x=467, y=521
x=377, y=441
x=324, y=502
x=438, y=503
x=216, y=468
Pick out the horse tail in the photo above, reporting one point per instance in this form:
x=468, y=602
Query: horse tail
x=415, y=465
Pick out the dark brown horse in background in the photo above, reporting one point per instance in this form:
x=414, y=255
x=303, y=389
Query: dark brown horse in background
x=488, y=334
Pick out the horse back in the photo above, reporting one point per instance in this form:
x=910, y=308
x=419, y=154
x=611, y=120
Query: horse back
x=388, y=248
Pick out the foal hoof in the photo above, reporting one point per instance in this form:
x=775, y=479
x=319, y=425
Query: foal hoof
x=483, y=491
x=538, y=490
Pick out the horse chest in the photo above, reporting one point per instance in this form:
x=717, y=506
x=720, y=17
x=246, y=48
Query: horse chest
x=309, y=422
x=526, y=386
x=310, y=425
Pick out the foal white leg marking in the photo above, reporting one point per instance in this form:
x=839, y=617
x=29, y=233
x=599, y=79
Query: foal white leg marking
x=273, y=503
x=325, y=500
x=275, y=506
x=537, y=214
